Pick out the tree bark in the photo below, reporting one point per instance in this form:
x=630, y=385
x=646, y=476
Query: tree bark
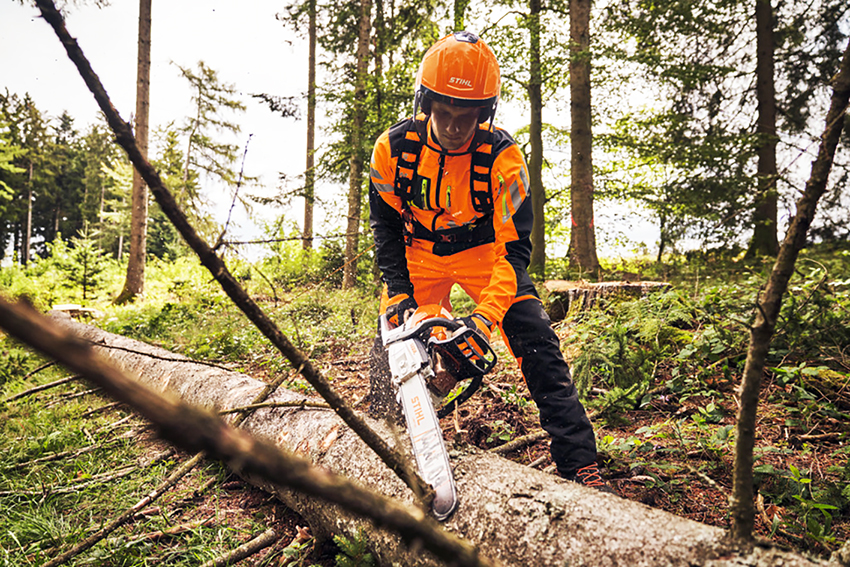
x=516, y=515
x=582, y=233
x=764, y=241
x=459, y=12
x=355, y=180
x=768, y=305
x=134, y=284
x=25, y=247
x=537, y=264
x=310, y=171
x=566, y=297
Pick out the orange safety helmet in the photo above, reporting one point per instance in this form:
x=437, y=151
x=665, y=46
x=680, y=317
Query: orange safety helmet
x=460, y=70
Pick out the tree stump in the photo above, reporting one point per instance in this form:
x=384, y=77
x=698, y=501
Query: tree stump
x=568, y=296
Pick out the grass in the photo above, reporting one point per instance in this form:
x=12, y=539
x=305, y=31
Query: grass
x=48, y=507
x=51, y=506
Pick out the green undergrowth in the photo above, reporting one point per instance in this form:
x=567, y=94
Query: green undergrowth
x=209, y=327
x=662, y=373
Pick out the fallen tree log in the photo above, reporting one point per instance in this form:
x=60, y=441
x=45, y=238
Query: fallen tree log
x=516, y=515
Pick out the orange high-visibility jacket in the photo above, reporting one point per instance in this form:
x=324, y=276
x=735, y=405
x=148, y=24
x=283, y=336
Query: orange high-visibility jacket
x=445, y=221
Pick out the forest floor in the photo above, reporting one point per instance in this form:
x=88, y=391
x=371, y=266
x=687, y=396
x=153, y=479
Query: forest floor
x=671, y=453
x=667, y=447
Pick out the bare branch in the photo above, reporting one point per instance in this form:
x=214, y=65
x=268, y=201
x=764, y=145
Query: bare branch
x=245, y=550
x=41, y=388
x=216, y=266
x=767, y=312
x=519, y=442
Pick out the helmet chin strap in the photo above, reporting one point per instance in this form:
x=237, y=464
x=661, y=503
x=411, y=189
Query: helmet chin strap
x=417, y=98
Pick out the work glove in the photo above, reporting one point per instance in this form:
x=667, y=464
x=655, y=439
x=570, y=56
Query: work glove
x=480, y=323
x=400, y=308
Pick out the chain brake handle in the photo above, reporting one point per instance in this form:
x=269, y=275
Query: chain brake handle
x=466, y=355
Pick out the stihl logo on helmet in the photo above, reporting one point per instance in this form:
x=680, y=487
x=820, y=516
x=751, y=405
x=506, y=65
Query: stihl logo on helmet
x=460, y=81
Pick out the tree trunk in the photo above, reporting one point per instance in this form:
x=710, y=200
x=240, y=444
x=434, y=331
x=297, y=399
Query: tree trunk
x=25, y=247
x=769, y=303
x=134, y=285
x=764, y=241
x=516, y=515
x=460, y=7
x=310, y=172
x=582, y=232
x=355, y=180
x=379, y=41
x=537, y=265
x=568, y=297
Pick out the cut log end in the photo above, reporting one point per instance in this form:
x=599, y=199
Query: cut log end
x=572, y=296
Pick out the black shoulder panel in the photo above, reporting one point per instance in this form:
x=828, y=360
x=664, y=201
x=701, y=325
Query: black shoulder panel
x=396, y=135
x=501, y=140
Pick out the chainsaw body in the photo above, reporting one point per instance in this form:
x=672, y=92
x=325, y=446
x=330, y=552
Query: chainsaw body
x=418, y=351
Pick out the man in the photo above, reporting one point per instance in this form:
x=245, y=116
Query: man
x=450, y=204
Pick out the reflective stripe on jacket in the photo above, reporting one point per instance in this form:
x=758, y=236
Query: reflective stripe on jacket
x=442, y=201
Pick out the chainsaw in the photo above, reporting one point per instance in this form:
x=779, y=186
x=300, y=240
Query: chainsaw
x=429, y=355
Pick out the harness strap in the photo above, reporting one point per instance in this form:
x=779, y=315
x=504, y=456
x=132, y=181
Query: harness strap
x=479, y=231
x=480, y=186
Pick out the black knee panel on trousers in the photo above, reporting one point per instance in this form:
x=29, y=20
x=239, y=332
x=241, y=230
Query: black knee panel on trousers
x=533, y=341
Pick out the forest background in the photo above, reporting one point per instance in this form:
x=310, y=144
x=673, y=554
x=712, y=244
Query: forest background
x=675, y=135
x=686, y=143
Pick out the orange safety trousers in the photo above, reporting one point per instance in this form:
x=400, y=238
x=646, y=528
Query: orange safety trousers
x=528, y=335
x=433, y=276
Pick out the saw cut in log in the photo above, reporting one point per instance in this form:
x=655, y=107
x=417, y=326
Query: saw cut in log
x=514, y=514
x=568, y=296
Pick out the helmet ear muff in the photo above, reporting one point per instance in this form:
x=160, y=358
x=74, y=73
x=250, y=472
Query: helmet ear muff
x=425, y=105
x=484, y=115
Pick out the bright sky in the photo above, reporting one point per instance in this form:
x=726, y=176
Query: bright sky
x=241, y=40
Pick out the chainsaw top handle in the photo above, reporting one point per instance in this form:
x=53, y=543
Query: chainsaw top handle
x=391, y=334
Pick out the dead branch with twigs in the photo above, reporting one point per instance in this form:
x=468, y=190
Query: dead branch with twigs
x=62, y=398
x=176, y=530
x=65, y=454
x=41, y=388
x=520, y=442
x=216, y=266
x=125, y=516
x=172, y=479
x=101, y=409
